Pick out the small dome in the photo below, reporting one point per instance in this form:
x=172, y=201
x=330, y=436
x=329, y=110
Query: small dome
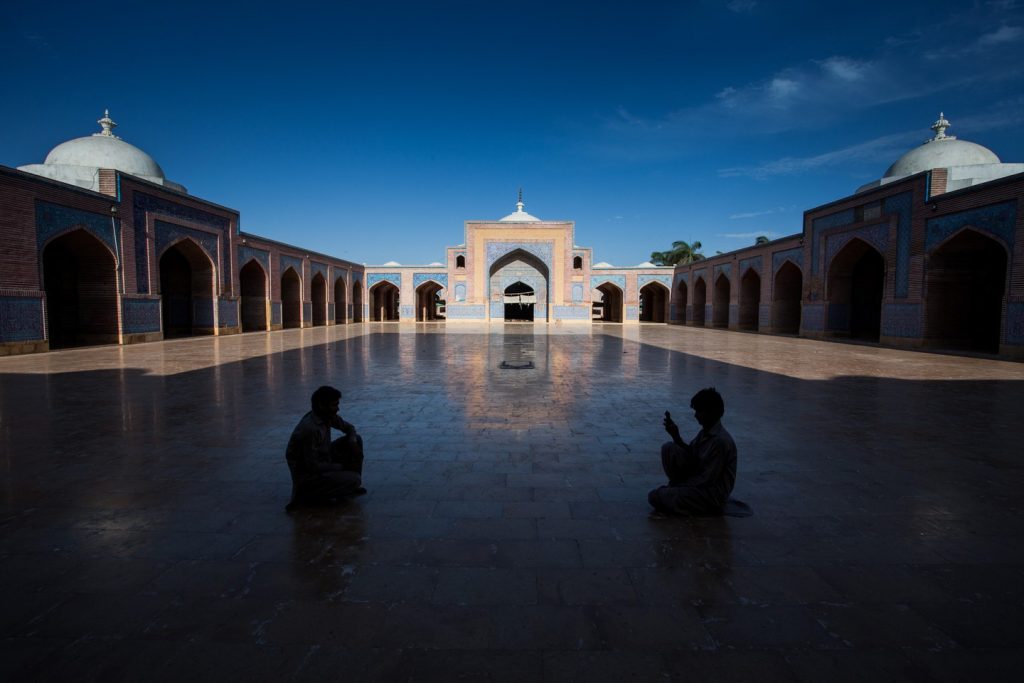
x=105, y=150
x=519, y=216
x=941, y=151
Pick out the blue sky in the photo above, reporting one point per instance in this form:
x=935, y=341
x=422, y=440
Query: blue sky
x=371, y=131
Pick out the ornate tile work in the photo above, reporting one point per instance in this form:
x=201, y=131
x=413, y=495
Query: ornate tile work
x=202, y=311
x=876, y=235
x=796, y=255
x=995, y=219
x=764, y=315
x=900, y=205
x=375, y=278
x=698, y=274
x=143, y=204
x=723, y=268
x=709, y=313
x=682, y=277
x=139, y=316
x=753, y=262
x=542, y=250
x=577, y=293
x=540, y=311
x=1015, y=323
x=285, y=262
x=419, y=278
x=21, y=318
x=466, y=311
x=168, y=233
x=407, y=312
x=617, y=280
x=275, y=312
x=571, y=312
x=246, y=254
x=331, y=311
x=812, y=317
x=460, y=292
x=833, y=220
x=497, y=309
x=307, y=311
x=632, y=312
x=734, y=315
x=53, y=219
x=321, y=268
x=642, y=280
x=227, y=313
x=838, y=317
x=901, y=320
x=537, y=282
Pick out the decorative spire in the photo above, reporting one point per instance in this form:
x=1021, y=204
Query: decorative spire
x=107, y=124
x=519, y=204
x=940, y=127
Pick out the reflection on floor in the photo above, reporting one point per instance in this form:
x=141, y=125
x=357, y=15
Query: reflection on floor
x=506, y=534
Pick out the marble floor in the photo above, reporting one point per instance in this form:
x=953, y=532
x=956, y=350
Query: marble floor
x=506, y=533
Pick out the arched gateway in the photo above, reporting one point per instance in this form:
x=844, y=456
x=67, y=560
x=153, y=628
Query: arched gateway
x=518, y=283
x=80, y=281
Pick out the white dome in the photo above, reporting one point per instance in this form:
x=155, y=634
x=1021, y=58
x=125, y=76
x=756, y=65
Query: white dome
x=101, y=151
x=942, y=151
x=519, y=216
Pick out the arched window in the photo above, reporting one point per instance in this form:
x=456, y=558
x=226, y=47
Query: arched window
x=460, y=261
x=577, y=263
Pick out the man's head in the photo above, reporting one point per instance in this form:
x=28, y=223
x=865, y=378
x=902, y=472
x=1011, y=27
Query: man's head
x=708, y=407
x=325, y=401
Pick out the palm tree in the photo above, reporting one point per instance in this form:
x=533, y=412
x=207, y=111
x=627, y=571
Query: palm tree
x=681, y=253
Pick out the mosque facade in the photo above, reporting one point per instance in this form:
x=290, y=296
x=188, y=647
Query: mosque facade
x=99, y=247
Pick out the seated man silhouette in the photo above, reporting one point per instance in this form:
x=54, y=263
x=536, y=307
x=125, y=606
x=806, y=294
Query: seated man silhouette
x=701, y=473
x=324, y=470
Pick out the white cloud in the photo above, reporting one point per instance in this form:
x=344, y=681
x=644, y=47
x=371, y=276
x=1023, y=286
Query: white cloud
x=741, y=6
x=1004, y=34
x=754, y=214
x=845, y=69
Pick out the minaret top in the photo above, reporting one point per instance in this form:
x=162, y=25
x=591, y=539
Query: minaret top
x=107, y=124
x=519, y=203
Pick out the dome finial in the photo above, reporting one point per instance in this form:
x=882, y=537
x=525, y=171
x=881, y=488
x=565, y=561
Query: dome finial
x=107, y=124
x=940, y=127
x=519, y=204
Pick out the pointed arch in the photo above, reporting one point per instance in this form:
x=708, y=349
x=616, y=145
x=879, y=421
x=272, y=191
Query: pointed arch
x=318, y=295
x=428, y=301
x=384, y=298
x=187, y=289
x=787, y=293
x=653, y=299
x=965, y=292
x=682, y=293
x=291, y=298
x=609, y=302
x=518, y=265
x=357, y=301
x=253, y=283
x=720, y=301
x=750, y=300
x=700, y=301
x=854, y=289
x=340, y=301
x=80, y=282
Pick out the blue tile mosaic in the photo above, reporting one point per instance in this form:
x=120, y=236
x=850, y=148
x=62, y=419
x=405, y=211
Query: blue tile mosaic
x=1015, y=323
x=540, y=250
x=571, y=312
x=833, y=220
x=764, y=316
x=876, y=235
x=460, y=292
x=21, y=318
x=682, y=277
x=497, y=309
x=644, y=279
x=139, y=316
x=701, y=274
x=143, y=204
x=285, y=262
x=275, y=312
x=839, y=317
x=246, y=254
x=796, y=255
x=307, y=311
x=577, y=293
x=753, y=262
x=900, y=204
x=734, y=315
x=998, y=220
x=723, y=268
x=902, y=320
x=227, y=313
x=167, y=234
x=812, y=317
x=466, y=312
x=617, y=280
x=376, y=278
x=419, y=278
x=632, y=312
x=406, y=312
x=53, y=219
x=321, y=268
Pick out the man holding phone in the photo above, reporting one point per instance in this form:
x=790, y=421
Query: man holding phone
x=701, y=473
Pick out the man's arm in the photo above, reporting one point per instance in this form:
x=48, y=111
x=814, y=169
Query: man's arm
x=673, y=430
x=347, y=428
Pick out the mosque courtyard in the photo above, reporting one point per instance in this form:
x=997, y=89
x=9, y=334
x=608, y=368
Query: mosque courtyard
x=506, y=534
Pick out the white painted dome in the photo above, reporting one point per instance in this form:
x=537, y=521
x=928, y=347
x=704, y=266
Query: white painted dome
x=942, y=151
x=519, y=216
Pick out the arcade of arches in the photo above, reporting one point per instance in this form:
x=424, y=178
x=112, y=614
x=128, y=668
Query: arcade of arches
x=654, y=303
x=80, y=281
x=318, y=293
x=291, y=299
x=384, y=302
x=253, y=284
x=609, y=308
x=856, y=280
x=428, y=302
x=186, y=290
